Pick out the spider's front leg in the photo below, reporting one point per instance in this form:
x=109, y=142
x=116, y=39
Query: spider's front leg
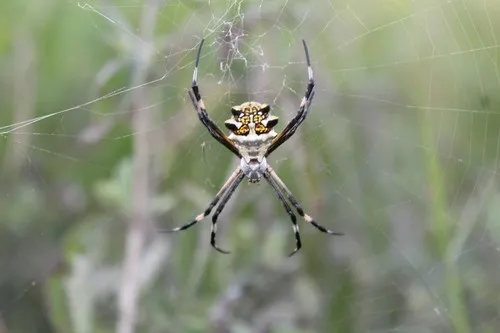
x=298, y=243
x=234, y=178
x=221, y=206
x=281, y=185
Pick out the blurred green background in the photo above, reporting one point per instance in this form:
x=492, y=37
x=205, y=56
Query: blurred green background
x=100, y=146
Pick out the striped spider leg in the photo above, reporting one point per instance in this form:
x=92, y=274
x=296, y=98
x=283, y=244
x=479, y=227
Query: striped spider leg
x=282, y=190
x=223, y=196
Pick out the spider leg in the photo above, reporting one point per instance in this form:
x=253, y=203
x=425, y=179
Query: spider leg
x=231, y=180
x=298, y=243
x=297, y=206
x=199, y=106
x=227, y=195
x=305, y=104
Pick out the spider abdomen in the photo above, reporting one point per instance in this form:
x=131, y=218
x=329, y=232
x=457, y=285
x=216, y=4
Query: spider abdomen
x=253, y=146
x=252, y=129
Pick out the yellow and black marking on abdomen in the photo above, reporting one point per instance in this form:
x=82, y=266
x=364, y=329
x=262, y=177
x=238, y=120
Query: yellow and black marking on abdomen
x=251, y=116
x=243, y=130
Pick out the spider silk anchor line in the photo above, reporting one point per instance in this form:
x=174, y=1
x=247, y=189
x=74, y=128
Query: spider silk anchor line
x=253, y=139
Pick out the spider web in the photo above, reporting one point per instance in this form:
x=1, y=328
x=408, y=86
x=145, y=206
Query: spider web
x=400, y=152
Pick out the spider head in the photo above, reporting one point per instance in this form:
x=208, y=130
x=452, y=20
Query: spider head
x=251, y=117
x=253, y=169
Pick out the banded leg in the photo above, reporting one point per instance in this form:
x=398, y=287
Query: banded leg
x=297, y=206
x=231, y=180
x=199, y=106
x=219, y=209
x=305, y=104
x=298, y=243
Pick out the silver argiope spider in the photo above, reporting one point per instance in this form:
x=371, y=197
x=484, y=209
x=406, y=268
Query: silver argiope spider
x=253, y=139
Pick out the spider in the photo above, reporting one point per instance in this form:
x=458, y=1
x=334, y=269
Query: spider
x=252, y=140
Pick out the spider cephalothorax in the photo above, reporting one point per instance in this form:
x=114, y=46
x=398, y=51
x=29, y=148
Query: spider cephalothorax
x=252, y=139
